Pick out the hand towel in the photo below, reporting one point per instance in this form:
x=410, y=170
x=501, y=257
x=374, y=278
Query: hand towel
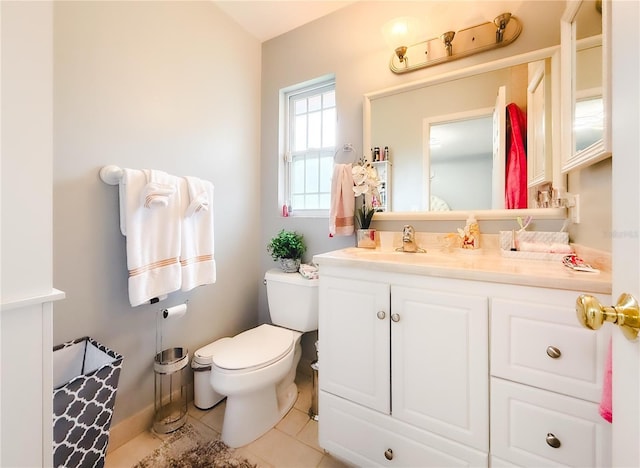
x=342, y=201
x=516, y=172
x=606, y=409
x=196, y=257
x=152, y=232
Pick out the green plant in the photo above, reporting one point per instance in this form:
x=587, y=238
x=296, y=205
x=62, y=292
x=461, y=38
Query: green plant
x=364, y=215
x=287, y=244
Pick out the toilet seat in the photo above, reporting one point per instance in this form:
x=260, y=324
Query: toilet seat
x=253, y=349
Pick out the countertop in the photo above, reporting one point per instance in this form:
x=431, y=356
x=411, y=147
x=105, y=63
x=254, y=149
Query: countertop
x=480, y=265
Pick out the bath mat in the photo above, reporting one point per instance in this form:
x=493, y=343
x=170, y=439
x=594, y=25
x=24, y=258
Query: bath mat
x=188, y=448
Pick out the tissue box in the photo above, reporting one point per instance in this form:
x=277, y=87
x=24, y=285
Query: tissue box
x=539, y=237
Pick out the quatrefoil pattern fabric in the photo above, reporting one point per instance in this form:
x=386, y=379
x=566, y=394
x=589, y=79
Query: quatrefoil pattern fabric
x=82, y=410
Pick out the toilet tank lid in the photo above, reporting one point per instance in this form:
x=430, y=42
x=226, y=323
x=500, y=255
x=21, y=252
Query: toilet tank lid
x=277, y=274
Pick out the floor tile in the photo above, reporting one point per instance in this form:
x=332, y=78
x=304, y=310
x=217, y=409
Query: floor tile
x=133, y=451
x=293, y=422
x=282, y=450
x=309, y=434
x=214, y=417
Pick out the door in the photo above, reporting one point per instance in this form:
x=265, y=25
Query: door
x=499, y=148
x=625, y=69
x=354, y=341
x=440, y=369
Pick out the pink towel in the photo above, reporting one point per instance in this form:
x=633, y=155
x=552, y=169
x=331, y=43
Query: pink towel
x=516, y=173
x=605, y=403
x=342, y=201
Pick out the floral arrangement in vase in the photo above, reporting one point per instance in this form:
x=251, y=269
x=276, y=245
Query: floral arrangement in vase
x=366, y=184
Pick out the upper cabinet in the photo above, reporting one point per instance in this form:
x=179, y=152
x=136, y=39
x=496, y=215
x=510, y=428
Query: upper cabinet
x=586, y=81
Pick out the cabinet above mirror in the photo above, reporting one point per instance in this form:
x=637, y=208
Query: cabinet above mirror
x=405, y=119
x=586, y=108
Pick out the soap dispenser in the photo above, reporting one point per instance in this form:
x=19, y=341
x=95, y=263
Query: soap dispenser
x=472, y=234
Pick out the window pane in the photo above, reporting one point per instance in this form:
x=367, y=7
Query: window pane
x=329, y=99
x=297, y=202
x=312, y=174
x=300, y=133
x=315, y=103
x=315, y=130
x=301, y=106
x=311, y=202
x=325, y=199
x=326, y=169
x=297, y=176
x=329, y=127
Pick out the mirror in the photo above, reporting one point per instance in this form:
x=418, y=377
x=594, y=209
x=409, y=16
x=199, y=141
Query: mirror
x=586, y=137
x=407, y=119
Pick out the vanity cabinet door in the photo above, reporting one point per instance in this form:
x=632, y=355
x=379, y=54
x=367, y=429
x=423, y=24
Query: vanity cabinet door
x=439, y=363
x=354, y=341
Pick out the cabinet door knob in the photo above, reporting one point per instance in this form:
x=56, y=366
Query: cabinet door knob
x=553, y=441
x=395, y=317
x=553, y=352
x=381, y=315
x=388, y=454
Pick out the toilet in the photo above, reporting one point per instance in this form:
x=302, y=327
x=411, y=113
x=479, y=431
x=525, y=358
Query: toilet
x=256, y=368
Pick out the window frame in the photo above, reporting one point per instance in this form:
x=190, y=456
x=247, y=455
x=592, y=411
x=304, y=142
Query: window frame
x=304, y=90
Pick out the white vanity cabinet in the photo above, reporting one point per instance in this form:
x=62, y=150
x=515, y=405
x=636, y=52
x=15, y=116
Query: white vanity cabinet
x=421, y=369
x=546, y=383
x=404, y=377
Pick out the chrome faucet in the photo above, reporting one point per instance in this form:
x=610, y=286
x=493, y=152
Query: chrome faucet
x=409, y=241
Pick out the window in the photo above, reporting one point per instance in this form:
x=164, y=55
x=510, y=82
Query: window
x=311, y=140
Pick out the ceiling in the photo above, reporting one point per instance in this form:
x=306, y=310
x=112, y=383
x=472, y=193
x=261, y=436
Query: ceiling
x=267, y=19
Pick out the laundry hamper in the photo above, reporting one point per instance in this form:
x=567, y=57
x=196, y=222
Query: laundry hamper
x=85, y=380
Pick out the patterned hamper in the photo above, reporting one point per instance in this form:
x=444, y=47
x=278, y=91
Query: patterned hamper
x=85, y=380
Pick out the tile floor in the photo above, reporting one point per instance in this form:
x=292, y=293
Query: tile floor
x=292, y=443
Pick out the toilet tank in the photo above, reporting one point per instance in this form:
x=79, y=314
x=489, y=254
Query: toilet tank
x=293, y=300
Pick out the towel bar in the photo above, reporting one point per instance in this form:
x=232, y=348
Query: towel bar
x=111, y=174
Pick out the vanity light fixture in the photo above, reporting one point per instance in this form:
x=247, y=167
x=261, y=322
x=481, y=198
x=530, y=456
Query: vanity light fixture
x=408, y=55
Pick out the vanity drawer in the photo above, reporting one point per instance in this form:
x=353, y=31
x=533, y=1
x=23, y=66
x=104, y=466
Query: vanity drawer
x=544, y=345
x=523, y=418
x=362, y=436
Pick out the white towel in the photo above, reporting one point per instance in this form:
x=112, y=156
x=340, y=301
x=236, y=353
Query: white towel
x=153, y=233
x=342, y=201
x=196, y=257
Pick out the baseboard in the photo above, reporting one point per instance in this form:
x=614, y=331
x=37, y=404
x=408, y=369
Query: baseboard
x=135, y=425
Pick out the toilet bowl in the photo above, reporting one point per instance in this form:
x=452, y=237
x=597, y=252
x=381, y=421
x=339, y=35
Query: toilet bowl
x=256, y=369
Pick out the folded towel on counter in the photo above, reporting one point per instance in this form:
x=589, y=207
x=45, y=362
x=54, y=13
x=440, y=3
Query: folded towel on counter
x=342, y=207
x=196, y=257
x=606, y=409
x=150, y=220
x=309, y=271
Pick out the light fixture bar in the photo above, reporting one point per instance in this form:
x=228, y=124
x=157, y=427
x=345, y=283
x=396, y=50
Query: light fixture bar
x=451, y=45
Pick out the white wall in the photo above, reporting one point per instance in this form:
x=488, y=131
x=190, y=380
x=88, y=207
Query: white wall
x=172, y=86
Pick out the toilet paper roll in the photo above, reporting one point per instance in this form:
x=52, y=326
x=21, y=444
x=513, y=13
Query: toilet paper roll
x=175, y=311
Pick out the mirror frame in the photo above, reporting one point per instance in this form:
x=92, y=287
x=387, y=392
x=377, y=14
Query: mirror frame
x=601, y=149
x=495, y=214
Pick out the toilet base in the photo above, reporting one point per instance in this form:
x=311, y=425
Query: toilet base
x=251, y=415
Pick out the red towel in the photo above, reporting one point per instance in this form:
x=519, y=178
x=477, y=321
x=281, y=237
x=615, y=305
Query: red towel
x=605, y=403
x=516, y=173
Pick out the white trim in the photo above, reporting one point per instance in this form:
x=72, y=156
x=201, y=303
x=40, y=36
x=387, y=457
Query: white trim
x=54, y=295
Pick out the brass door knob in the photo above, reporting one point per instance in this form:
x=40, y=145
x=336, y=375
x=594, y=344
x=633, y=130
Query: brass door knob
x=626, y=314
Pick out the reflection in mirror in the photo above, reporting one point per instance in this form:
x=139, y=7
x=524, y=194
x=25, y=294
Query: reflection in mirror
x=396, y=117
x=454, y=163
x=588, y=119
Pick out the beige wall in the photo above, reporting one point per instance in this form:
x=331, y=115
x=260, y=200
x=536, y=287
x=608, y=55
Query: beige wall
x=152, y=85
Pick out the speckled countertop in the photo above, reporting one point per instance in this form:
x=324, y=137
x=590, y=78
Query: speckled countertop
x=485, y=264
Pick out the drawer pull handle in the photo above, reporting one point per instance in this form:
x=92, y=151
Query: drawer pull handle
x=381, y=315
x=395, y=317
x=553, y=352
x=553, y=441
x=388, y=454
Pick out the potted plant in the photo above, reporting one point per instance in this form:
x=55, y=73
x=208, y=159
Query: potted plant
x=366, y=184
x=288, y=247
